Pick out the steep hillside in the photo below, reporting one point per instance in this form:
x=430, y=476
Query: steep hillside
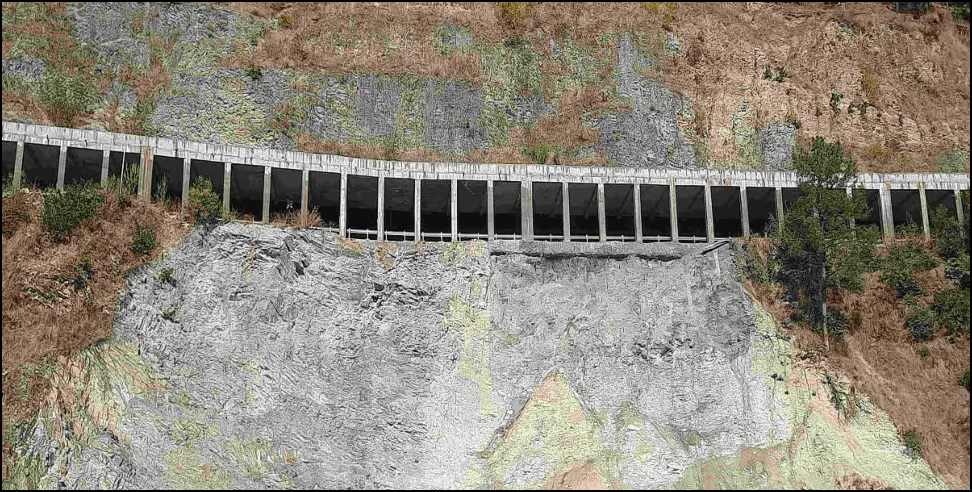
x=280, y=358
x=637, y=84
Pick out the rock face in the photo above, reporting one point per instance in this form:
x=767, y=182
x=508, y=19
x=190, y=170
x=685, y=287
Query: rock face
x=434, y=367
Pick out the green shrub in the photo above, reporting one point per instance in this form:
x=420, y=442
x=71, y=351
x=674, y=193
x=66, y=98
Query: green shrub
x=144, y=241
x=166, y=277
x=63, y=97
x=951, y=308
x=124, y=186
x=254, y=73
x=957, y=270
x=912, y=442
x=902, y=262
x=964, y=380
x=837, y=323
x=64, y=210
x=540, y=153
x=951, y=241
x=921, y=322
x=923, y=352
x=204, y=204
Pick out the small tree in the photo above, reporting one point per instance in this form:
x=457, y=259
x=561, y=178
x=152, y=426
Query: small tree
x=817, y=247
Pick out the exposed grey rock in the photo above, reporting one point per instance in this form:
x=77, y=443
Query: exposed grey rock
x=776, y=143
x=31, y=69
x=357, y=362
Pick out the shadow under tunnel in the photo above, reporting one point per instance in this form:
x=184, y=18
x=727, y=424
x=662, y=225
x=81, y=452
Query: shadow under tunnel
x=362, y=207
x=324, y=196
x=761, y=205
x=472, y=208
x=507, y=209
x=399, y=208
x=436, y=213
x=285, y=187
x=548, y=211
x=8, y=160
x=906, y=208
x=246, y=191
x=690, y=203
x=726, y=212
x=211, y=171
x=124, y=165
x=40, y=165
x=582, y=203
x=82, y=166
x=166, y=178
x=872, y=215
x=656, y=224
x=619, y=211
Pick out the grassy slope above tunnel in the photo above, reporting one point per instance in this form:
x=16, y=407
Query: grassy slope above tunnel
x=269, y=357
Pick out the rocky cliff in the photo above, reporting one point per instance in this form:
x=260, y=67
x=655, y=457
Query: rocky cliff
x=252, y=356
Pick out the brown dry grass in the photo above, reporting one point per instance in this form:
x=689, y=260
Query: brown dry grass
x=880, y=360
x=296, y=220
x=45, y=315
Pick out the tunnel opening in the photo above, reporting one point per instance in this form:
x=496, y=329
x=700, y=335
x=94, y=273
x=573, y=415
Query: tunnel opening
x=40, y=165
x=246, y=191
x=726, y=212
x=124, y=165
x=285, y=191
x=324, y=196
x=790, y=197
x=690, y=203
x=9, y=161
x=362, y=207
x=619, y=212
x=82, y=166
x=906, y=211
x=507, y=220
x=656, y=212
x=166, y=178
x=436, y=210
x=200, y=170
x=472, y=210
x=761, y=205
x=871, y=217
x=548, y=211
x=399, y=208
x=582, y=205
x=940, y=199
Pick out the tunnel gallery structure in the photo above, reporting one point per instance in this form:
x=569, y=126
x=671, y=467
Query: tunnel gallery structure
x=388, y=200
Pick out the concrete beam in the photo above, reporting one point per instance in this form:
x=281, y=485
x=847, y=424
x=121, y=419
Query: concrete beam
x=924, y=211
x=265, y=216
x=418, y=209
x=566, y=211
x=673, y=208
x=381, y=208
x=601, y=216
x=526, y=209
x=490, y=215
x=304, y=194
x=227, y=182
x=744, y=210
x=18, y=165
x=454, y=208
x=639, y=236
x=105, y=155
x=61, y=166
x=343, y=216
x=709, y=222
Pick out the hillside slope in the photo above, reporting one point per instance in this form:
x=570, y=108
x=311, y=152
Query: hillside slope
x=649, y=84
x=291, y=359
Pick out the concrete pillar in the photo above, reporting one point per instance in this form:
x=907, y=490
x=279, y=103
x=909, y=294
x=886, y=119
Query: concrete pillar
x=601, y=219
x=304, y=194
x=454, y=208
x=18, y=166
x=61, y=166
x=490, y=216
x=744, y=210
x=924, y=210
x=887, y=214
x=526, y=210
x=850, y=196
x=673, y=209
x=637, y=212
x=185, y=183
x=381, y=208
x=265, y=217
x=343, y=216
x=959, y=211
x=566, y=212
x=145, y=167
x=418, y=209
x=779, y=205
x=105, y=154
x=709, y=221
x=227, y=182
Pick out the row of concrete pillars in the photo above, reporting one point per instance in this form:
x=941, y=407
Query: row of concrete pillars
x=412, y=209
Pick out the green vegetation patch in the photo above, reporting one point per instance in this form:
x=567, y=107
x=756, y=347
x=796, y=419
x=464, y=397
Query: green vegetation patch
x=184, y=469
x=473, y=324
x=65, y=210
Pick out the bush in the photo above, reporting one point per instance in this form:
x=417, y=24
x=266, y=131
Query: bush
x=166, y=276
x=144, y=241
x=921, y=323
x=65, y=210
x=951, y=241
x=952, y=310
x=902, y=262
x=964, y=380
x=63, y=97
x=957, y=270
x=513, y=14
x=912, y=442
x=204, y=204
x=837, y=323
